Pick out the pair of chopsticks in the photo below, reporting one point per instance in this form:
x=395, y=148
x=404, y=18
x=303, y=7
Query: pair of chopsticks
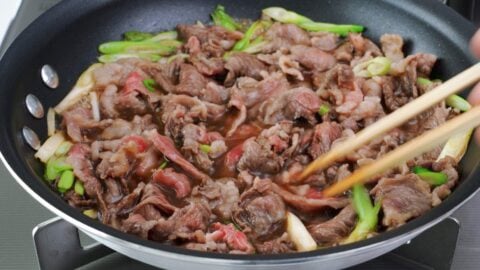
x=409, y=150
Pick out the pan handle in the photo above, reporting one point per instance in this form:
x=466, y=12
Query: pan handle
x=57, y=245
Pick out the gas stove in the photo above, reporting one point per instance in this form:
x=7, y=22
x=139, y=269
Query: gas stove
x=452, y=244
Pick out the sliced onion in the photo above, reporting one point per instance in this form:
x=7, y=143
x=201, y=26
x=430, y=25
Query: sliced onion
x=299, y=235
x=51, y=121
x=83, y=86
x=49, y=147
x=95, y=107
x=456, y=146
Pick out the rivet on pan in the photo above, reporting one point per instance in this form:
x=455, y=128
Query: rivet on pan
x=34, y=106
x=31, y=138
x=49, y=76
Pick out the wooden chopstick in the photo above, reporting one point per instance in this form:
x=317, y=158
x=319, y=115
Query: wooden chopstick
x=395, y=119
x=409, y=150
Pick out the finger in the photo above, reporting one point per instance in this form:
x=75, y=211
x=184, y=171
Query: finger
x=477, y=135
x=475, y=44
x=474, y=96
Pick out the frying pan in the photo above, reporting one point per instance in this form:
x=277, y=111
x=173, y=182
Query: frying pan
x=66, y=37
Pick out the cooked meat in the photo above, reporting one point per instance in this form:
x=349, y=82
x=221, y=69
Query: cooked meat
x=403, y=197
x=334, y=230
x=203, y=148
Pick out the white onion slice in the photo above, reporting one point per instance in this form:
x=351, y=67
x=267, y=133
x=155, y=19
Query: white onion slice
x=49, y=147
x=95, y=106
x=51, y=121
x=299, y=235
x=83, y=86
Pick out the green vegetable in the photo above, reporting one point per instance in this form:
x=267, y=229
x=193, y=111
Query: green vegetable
x=55, y=167
x=179, y=55
x=66, y=181
x=150, y=84
x=377, y=66
x=169, y=35
x=107, y=58
x=136, y=36
x=251, y=36
x=163, y=165
x=457, y=102
x=91, y=213
x=423, y=81
x=63, y=148
x=286, y=16
x=205, y=148
x=324, y=109
x=78, y=188
x=221, y=18
x=433, y=178
x=162, y=47
x=367, y=214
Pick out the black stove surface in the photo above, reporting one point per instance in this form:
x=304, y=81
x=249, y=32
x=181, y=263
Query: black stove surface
x=438, y=248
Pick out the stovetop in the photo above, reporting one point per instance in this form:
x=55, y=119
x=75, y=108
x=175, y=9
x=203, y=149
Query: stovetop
x=19, y=213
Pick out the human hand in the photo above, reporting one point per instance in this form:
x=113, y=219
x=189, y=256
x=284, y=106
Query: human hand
x=474, y=97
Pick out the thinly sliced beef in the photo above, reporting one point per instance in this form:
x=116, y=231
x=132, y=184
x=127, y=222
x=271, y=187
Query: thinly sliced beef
x=285, y=35
x=290, y=105
x=214, y=40
x=323, y=137
x=78, y=157
x=392, y=46
x=334, y=230
x=403, y=198
x=177, y=181
x=260, y=213
x=309, y=204
x=312, y=58
x=166, y=147
x=153, y=204
x=221, y=195
x=448, y=166
x=236, y=240
x=325, y=41
x=241, y=64
x=279, y=245
x=80, y=125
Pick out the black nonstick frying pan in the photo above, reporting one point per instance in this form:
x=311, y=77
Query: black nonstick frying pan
x=66, y=37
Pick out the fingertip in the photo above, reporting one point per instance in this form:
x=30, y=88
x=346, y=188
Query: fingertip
x=477, y=135
x=475, y=44
x=474, y=96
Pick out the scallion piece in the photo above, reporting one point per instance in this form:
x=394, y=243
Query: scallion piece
x=108, y=58
x=457, y=102
x=205, y=148
x=367, y=214
x=78, y=188
x=66, y=181
x=136, y=36
x=323, y=110
x=50, y=172
x=63, y=148
x=286, y=16
x=150, y=84
x=433, y=178
x=423, y=81
x=163, y=165
x=221, y=18
x=162, y=47
x=91, y=213
x=251, y=38
x=377, y=66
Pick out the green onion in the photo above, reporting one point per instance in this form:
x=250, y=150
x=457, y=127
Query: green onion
x=179, y=55
x=108, y=58
x=221, y=18
x=162, y=47
x=91, y=213
x=419, y=169
x=377, y=66
x=150, y=84
x=63, y=148
x=286, y=16
x=457, y=102
x=205, y=148
x=163, y=165
x=66, y=181
x=136, y=36
x=250, y=37
x=433, y=178
x=55, y=167
x=78, y=188
x=324, y=109
x=169, y=35
x=423, y=81
x=367, y=214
